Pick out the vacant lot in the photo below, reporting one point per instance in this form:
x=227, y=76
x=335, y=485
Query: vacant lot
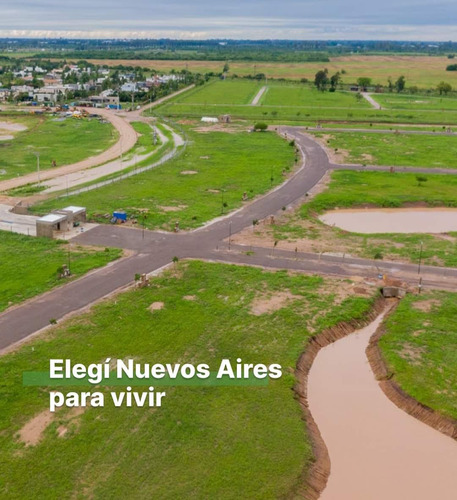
x=209, y=178
x=415, y=102
x=245, y=442
x=64, y=141
x=420, y=348
x=307, y=96
x=390, y=149
x=222, y=92
x=423, y=71
x=382, y=189
x=30, y=266
x=318, y=106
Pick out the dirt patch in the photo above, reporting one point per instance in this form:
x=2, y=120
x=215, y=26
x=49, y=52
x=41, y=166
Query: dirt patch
x=189, y=297
x=266, y=305
x=338, y=156
x=412, y=353
x=215, y=191
x=33, y=430
x=189, y=172
x=12, y=127
x=219, y=127
x=172, y=209
x=426, y=305
x=156, y=306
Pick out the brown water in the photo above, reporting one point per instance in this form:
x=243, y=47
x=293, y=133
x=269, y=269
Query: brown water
x=377, y=451
x=401, y=220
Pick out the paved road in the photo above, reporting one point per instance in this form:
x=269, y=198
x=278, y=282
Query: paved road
x=258, y=96
x=153, y=250
x=374, y=103
x=380, y=131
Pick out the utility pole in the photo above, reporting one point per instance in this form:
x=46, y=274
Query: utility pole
x=38, y=166
x=420, y=258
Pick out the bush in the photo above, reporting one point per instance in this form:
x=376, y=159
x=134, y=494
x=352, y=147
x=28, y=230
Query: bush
x=451, y=67
x=260, y=127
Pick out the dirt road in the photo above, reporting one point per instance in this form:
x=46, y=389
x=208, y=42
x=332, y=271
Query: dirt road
x=127, y=139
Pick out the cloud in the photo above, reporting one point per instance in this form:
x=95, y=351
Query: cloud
x=257, y=19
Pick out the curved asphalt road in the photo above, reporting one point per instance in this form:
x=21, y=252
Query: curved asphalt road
x=157, y=249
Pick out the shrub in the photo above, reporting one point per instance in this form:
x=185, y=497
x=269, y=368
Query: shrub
x=260, y=127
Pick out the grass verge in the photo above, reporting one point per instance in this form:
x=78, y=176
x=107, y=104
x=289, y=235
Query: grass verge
x=29, y=266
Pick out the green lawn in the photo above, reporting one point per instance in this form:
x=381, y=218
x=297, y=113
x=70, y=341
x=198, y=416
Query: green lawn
x=203, y=442
x=29, y=266
x=392, y=149
x=299, y=115
x=420, y=348
x=351, y=188
x=222, y=92
x=307, y=96
x=415, y=102
x=66, y=142
x=227, y=165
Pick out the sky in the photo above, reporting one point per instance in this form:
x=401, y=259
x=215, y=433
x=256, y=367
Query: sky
x=235, y=19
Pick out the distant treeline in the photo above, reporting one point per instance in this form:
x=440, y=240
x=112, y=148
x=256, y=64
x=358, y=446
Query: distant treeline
x=235, y=50
x=183, y=55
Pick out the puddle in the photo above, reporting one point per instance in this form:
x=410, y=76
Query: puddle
x=376, y=450
x=402, y=220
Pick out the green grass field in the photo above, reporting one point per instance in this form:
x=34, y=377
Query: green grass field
x=29, y=266
x=66, y=142
x=300, y=115
x=391, y=149
x=232, y=442
x=222, y=92
x=420, y=348
x=415, y=102
x=227, y=165
x=382, y=189
x=307, y=96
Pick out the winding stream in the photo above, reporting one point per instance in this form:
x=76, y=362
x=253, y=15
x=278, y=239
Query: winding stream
x=377, y=451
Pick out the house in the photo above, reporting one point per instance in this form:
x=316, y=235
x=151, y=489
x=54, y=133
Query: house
x=4, y=94
x=128, y=87
x=48, y=94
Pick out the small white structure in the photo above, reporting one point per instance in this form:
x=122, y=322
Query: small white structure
x=74, y=214
x=45, y=226
x=210, y=119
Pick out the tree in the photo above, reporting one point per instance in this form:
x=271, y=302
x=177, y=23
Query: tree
x=321, y=79
x=390, y=84
x=226, y=68
x=443, y=88
x=364, y=82
x=400, y=83
x=335, y=80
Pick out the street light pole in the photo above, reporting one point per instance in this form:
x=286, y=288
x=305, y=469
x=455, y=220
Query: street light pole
x=38, y=166
x=420, y=258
